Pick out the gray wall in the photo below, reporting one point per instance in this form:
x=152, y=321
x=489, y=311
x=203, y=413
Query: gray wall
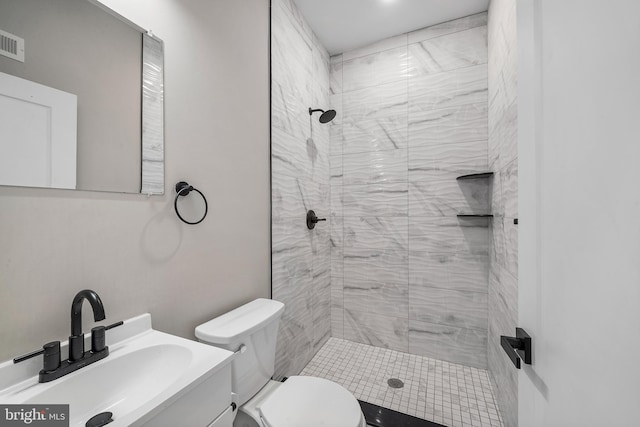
x=503, y=158
x=407, y=274
x=300, y=174
x=76, y=47
x=131, y=249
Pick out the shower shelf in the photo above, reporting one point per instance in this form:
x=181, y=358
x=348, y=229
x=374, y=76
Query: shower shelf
x=475, y=175
x=475, y=216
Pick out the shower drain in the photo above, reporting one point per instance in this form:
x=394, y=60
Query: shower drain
x=395, y=383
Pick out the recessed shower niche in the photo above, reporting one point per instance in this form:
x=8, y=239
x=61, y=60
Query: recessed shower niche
x=477, y=189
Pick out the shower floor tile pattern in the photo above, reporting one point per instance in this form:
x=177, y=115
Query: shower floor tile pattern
x=435, y=390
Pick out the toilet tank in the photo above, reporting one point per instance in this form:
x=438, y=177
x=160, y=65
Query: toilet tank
x=251, y=331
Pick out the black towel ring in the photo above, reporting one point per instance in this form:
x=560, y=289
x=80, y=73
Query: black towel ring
x=183, y=189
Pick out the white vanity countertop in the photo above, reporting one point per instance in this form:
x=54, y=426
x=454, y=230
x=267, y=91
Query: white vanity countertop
x=145, y=372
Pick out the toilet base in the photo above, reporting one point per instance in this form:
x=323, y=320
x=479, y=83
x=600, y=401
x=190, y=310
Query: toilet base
x=248, y=414
x=244, y=420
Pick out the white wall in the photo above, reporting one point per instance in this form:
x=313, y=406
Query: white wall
x=579, y=284
x=132, y=250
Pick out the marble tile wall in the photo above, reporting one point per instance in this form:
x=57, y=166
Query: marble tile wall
x=406, y=273
x=301, y=265
x=503, y=160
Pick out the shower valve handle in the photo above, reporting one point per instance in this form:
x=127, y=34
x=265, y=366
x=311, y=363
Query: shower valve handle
x=312, y=220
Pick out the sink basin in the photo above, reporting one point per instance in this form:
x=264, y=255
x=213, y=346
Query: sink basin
x=145, y=371
x=121, y=384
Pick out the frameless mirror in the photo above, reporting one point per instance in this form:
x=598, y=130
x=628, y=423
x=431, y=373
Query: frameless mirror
x=81, y=98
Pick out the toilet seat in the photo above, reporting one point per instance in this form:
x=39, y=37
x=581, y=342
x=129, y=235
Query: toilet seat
x=311, y=402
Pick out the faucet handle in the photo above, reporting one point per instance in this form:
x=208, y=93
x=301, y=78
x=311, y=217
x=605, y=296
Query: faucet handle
x=51, y=356
x=114, y=325
x=51, y=353
x=98, y=341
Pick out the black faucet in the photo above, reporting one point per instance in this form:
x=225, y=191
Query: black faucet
x=76, y=340
x=53, y=368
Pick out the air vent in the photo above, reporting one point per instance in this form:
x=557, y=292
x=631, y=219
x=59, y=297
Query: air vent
x=11, y=46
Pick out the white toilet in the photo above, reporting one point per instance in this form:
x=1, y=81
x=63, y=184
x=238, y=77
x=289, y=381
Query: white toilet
x=251, y=332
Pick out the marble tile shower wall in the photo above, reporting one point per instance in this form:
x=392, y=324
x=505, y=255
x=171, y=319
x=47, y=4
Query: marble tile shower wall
x=300, y=181
x=503, y=159
x=406, y=273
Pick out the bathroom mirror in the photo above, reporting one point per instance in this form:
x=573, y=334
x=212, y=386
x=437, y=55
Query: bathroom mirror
x=81, y=98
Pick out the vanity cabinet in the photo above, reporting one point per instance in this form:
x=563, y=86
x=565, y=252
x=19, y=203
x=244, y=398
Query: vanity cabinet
x=207, y=404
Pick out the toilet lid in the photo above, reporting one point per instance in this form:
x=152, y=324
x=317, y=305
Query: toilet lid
x=311, y=402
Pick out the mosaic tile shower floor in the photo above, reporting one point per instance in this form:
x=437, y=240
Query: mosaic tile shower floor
x=446, y=393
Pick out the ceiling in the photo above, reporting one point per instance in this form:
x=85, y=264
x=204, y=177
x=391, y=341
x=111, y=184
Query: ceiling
x=344, y=25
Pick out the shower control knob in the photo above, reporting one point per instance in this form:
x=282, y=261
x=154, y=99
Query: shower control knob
x=312, y=220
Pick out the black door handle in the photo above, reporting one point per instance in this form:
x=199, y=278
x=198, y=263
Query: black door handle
x=518, y=347
x=312, y=220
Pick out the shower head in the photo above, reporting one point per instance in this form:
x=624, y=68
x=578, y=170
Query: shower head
x=326, y=116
